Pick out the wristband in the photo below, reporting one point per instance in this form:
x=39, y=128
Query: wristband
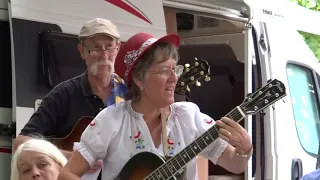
x=246, y=155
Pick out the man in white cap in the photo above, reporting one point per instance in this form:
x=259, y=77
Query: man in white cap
x=84, y=95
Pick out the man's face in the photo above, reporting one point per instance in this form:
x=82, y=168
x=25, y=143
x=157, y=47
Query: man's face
x=99, y=52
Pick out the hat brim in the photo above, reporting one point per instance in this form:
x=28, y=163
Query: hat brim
x=170, y=38
x=96, y=34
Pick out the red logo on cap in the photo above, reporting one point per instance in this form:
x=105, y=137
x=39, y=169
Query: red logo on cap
x=129, y=7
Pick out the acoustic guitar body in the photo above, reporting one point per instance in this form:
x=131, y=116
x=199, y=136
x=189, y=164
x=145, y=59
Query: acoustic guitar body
x=66, y=143
x=140, y=166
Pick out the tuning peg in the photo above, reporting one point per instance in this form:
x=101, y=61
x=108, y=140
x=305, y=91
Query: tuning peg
x=207, y=78
x=188, y=89
x=198, y=83
x=187, y=65
x=187, y=69
x=196, y=64
x=196, y=59
x=201, y=73
x=182, y=83
x=191, y=78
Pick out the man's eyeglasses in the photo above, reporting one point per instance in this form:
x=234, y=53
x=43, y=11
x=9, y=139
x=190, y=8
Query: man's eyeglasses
x=98, y=52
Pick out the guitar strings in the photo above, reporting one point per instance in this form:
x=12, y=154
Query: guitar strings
x=188, y=149
x=212, y=131
x=200, y=142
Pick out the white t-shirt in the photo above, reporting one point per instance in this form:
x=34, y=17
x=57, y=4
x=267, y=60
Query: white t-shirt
x=118, y=132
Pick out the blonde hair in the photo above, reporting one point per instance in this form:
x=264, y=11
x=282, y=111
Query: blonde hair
x=37, y=145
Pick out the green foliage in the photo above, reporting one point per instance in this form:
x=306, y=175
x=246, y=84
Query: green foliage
x=312, y=40
x=310, y=4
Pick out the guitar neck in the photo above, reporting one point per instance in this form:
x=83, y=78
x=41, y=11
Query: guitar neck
x=177, y=162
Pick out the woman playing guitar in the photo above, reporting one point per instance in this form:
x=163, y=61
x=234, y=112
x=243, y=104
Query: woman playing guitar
x=131, y=136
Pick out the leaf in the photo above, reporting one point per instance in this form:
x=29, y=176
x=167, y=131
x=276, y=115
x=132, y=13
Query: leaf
x=310, y=4
x=312, y=40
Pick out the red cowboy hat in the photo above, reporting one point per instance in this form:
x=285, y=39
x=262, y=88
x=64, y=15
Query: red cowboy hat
x=136, y=46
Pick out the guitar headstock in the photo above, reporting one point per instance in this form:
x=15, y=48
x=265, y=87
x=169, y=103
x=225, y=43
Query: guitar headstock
x=192, y=75
x=262, y=98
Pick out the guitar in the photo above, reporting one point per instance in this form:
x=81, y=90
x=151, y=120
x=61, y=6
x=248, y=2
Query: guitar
x=191, y=74
x=155, y=167
x=66, y=143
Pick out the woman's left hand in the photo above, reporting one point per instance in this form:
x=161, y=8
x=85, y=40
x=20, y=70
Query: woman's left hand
x=234, y=134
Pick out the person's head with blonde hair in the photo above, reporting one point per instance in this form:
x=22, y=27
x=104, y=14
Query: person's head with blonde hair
x=37, y=159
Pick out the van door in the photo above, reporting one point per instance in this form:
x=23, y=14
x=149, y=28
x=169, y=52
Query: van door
x=291, y=134
x=239, y=13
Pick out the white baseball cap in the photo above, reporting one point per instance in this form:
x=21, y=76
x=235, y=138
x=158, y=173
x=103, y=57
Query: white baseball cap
x=99, y=26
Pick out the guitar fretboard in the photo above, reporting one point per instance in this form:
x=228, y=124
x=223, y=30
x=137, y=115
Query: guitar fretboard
x=177, y=162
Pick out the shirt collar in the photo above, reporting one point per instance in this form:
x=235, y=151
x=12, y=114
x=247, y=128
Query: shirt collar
x=115, y=80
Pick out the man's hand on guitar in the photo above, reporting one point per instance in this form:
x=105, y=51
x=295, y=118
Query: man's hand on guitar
x=235, y=134
x=96, y=167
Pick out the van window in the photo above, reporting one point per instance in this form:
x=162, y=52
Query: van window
x=305, y=104
x=60, y=59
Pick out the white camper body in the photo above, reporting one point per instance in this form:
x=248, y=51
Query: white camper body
x=6, y=93
x=245, y=44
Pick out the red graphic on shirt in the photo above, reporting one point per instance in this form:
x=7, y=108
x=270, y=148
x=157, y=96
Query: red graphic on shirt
x=92, y=123
x=170, y=142
x=130, y=8
x=137, y=135
x=209, y=121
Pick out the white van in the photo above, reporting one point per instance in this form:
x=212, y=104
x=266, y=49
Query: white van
x=245, y=44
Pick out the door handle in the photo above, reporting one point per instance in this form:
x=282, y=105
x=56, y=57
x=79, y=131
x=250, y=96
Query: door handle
x=296, y=169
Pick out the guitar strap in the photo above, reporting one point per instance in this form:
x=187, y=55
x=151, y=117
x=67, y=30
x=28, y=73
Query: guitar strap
x=164, y=119
x=181, y=175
